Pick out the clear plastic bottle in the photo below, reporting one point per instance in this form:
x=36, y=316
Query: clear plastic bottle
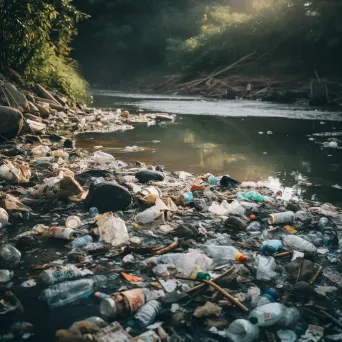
x=9, y=256
x=5, y=276
x=223, y=253
x=242, y=330
x=71, y=291
x=53, y=276
x=274, y=313
x=299, y=243
x=148, y=313
x=269, y=296
x=254, y=226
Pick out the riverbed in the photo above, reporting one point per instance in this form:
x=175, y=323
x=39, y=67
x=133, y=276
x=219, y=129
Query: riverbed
x=249, y=140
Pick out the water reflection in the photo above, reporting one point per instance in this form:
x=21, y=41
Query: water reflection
x=234, y=146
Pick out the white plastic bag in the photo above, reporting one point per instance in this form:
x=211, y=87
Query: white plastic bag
x=40, y=151
x=103, y=158
x=225, y=208
x=265, y=268
x=112, y=229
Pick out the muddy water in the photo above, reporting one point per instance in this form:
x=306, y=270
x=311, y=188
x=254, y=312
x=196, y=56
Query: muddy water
x=247, y=140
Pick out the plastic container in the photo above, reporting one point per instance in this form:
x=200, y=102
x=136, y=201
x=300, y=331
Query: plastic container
x=242, y=330
x=299, y=243
x=82, y=241
x=269, y=296
x=279, y=218
x=271, y=247
x=53, y=276
x=265, y=268
x=3, y=217
x=223, y=253
x=9, y=256
x=73, y=222
x=61, y=233
x=103, y=158
x=71, y=291
x=5, y=276
x=148, y=313
x=126, y=303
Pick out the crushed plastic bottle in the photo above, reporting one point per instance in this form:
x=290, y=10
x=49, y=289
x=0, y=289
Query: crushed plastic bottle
x=242, y=330
x=71, y=291
x=254, y=226
x=222, y=254
x=265, y=268
x=82, y=241
x=148, y=313
x=269, y=296
x=299, y=243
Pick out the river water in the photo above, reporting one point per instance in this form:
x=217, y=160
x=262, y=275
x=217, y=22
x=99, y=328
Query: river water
x=248, y=140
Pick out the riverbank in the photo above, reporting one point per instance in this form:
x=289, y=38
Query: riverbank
x=166, y=226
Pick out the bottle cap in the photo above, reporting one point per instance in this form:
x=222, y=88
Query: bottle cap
x=108, y=307
x=254, y=320
x=241, y=257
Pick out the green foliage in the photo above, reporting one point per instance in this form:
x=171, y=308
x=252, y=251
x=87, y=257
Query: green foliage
x=36, y=37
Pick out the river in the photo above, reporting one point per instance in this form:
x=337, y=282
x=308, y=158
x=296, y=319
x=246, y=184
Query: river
x=249, y=140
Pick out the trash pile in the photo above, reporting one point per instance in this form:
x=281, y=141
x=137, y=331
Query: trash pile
x=154, y=255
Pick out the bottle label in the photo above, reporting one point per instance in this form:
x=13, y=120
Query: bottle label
x=269, y=316
x=135, y=298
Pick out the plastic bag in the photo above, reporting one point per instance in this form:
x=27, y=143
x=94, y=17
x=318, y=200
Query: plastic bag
x=18, y=172
x=112, y=229
x=225, y=208
x=265, y=268
x=103, y=158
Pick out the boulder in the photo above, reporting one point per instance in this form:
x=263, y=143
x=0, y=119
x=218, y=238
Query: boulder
x=45, y=93
x=11, y=122
x=145, y=176
x=15, y=97
x=108, y=197
x=43, y=109
x=33, y=107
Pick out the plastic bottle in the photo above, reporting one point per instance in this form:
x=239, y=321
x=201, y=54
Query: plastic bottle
x=148, y=313
x=242, y=330
x=3, y=217
x=279, y=218
x=265, y=268
x=271, y=247
x=9, y=256
x=71, y=291
x=53, y=276
x=5, y=276
x=223, y=253
x=148, y=215
x=269, y=296
x=73, y=222
x=93, y=211
x=82, y=241
x=61, y=233
x=212, y=180
x=251, y=196
x=254, y=226
x=126, y=303
x=274, y=313
x=330, y=238
x=298, y=243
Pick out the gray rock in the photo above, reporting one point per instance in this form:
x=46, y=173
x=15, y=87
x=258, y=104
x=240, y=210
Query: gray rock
x=11, y=122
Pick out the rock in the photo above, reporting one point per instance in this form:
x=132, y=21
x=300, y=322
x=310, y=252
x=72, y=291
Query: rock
x=208, y=310
x=11, y=122
x=33, y=107
x=3, y=217
x=293, y=207
x=69, y=144
x=304, y=290
x=235, y=223
x=15, y=97
x=45, y=94
x=146, y=176
x=217, y=323
x=9, y=256
x=108, y=197
x=43, y=109
x=38, y=127
x=305, y=269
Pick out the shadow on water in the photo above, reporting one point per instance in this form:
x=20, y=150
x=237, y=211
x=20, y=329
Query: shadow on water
x=231, y=144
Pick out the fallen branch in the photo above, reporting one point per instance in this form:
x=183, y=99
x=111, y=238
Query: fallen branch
x=319, y=271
